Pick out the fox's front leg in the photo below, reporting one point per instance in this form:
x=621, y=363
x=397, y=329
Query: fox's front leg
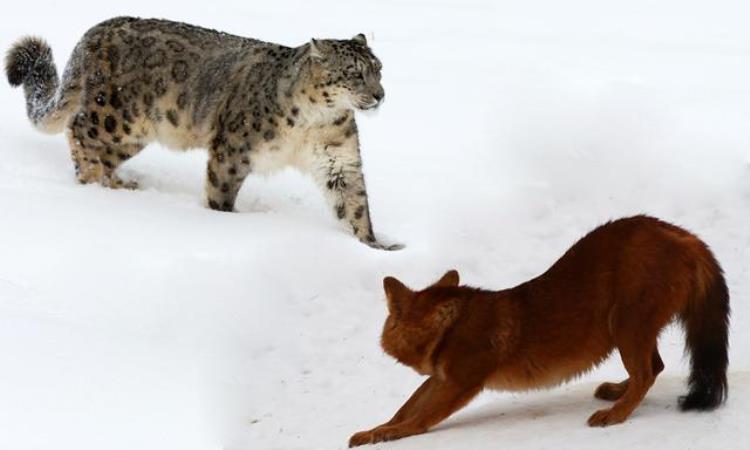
x=415, y=401
x=337, y=168
x=432, y=403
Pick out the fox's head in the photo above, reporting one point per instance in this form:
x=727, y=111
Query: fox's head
x=417, y=320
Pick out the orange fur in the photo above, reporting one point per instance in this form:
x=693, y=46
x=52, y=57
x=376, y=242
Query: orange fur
x=616, y=288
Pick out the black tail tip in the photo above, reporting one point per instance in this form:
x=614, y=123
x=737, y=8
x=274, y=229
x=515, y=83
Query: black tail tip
x=703, y=399
x=23, y=56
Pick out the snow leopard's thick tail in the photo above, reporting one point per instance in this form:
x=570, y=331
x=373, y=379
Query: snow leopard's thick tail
x=49, y=104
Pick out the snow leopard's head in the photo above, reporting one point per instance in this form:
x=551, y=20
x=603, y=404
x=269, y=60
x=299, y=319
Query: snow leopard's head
x=345, y=73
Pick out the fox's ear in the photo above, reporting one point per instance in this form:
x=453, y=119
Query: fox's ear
x=450, y=279
x=360, y=39
x=396, y=293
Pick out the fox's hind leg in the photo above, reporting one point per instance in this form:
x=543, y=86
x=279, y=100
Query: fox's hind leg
x=642, y=366
x=96, y=161
x=613, y=391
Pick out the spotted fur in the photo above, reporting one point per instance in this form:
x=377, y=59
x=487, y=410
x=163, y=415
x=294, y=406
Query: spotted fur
x=256, y=106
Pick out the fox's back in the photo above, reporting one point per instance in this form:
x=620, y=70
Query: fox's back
x=621, y=257
x=627, y=274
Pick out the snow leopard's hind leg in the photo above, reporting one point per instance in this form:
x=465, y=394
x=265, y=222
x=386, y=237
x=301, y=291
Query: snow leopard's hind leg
x=226, y=171
x=96, y=161
x=53, y=105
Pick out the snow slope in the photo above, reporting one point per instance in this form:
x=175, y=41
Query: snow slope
x=141, y=320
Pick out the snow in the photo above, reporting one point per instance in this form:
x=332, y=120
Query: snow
x=142, y=320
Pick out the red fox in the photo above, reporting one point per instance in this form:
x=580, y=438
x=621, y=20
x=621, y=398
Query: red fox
x=616, y=288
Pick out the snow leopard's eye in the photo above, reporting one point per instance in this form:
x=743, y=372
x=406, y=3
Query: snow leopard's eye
x=356, y=75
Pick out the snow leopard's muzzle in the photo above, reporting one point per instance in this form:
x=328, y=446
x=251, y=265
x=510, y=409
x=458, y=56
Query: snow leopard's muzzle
x=373, y=96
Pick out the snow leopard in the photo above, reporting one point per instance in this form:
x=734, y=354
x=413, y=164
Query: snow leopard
x=255, y=106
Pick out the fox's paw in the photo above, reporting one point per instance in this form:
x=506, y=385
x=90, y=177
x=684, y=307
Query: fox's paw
x=361, y=438
x=606, y=417
x=379, y=434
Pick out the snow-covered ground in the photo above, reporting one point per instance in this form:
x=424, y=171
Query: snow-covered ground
x=141, y=320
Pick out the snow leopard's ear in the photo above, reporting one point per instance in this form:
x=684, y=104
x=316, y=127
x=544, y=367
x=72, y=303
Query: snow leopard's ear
x=317, y=49
x=360, y=39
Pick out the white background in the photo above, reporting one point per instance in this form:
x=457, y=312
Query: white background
x=141, y=320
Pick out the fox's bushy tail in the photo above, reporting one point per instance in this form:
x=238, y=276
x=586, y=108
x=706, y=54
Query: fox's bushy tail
x=49, y=106
x=706, y=321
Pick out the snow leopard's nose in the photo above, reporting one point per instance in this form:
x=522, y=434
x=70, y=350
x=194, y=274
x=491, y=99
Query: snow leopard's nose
x=379, y=96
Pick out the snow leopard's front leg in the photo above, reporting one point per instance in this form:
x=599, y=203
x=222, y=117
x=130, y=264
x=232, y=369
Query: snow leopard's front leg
x=337, y=168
